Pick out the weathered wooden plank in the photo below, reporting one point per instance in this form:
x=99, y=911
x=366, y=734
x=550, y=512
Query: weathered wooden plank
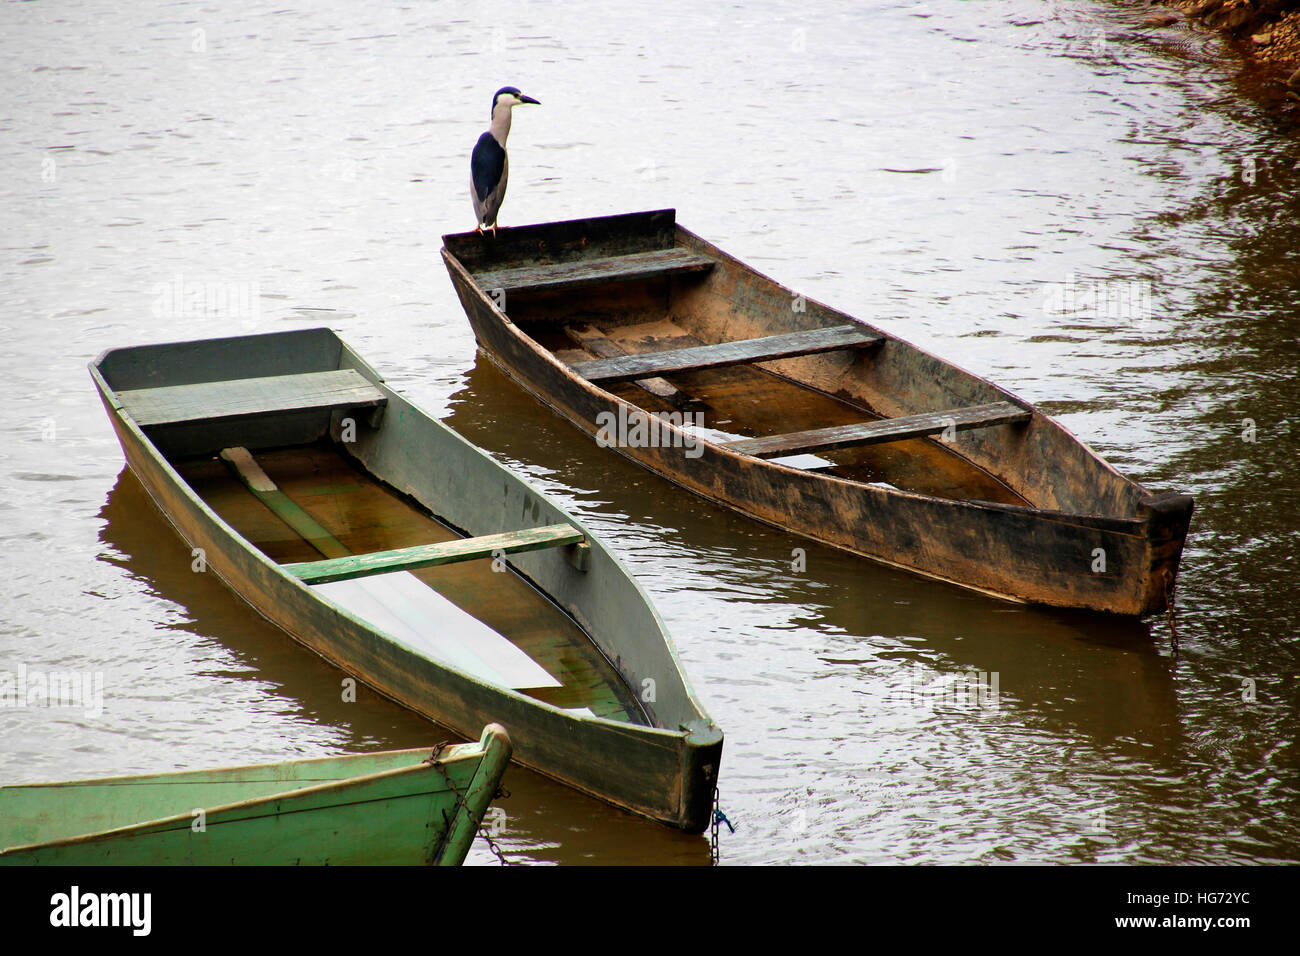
x=765, y=349
x=340, y=388
x=570, y=275
x=600, y=235
x=594, y=340
x=889, y=429
x=285, y=508
x=430, y=555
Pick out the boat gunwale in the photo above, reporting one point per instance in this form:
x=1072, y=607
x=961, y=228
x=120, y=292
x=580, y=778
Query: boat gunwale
x=136, y=779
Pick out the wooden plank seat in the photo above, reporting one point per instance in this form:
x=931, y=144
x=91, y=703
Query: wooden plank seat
x=571, y=275
x=232, y=398
x=885, y=430
x=744, y=352
x=430, y=555
x=593, y=340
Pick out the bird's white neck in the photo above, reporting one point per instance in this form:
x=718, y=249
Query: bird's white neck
x=501, y=122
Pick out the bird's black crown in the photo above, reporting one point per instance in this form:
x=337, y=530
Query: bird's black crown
x=505, y=89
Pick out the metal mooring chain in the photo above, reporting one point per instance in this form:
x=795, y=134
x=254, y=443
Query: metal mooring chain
x=483, y=831
x=713, y=830
x=1169, y=611
x=460, y=802
x=718, y=817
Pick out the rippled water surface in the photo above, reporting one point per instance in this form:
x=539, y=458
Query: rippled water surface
x=942, y=169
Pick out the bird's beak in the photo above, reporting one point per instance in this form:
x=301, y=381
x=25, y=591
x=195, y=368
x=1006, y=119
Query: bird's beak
x=528, y=99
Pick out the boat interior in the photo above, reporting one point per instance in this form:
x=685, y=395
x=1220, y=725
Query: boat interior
x=669, y=323
x=493, y=624
x=309, y=505
x=646, y=341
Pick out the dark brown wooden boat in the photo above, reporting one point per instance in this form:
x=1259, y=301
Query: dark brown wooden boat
x=716, y=377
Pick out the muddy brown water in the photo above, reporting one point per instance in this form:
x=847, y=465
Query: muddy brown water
x=1082, y=211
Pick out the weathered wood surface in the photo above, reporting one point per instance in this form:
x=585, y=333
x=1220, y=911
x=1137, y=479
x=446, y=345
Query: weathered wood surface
x=765, y=349
x=886, y=430
x=285, y=508
x=585, y=272
x=594, y=340
x=431, y=555
x=1063, y=501
x=166, y=405
x=513, y=246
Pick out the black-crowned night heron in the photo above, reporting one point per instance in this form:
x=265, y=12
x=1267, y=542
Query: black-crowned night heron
x=488, y=165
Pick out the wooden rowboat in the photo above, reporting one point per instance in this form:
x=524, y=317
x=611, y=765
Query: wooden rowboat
x=714, y=376
x=398, y=551
x=402, y=807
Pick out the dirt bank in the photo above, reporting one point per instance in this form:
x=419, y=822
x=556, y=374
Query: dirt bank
x=1265, y=33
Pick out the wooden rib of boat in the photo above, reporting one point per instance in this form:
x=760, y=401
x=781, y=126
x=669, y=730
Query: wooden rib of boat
x=400, y=807
x=812, y=421
x=395, y=549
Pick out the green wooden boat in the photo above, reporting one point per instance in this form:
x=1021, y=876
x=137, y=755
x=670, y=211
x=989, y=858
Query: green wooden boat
x=397, y=550
x=402, y=807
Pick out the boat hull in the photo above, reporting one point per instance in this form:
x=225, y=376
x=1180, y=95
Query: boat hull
x=410, y=807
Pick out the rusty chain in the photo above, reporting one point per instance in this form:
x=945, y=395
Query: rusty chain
x=1169, y=611
x=482, y=831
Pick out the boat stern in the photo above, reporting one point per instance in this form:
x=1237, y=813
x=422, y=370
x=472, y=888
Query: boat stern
x=701, y=761
x=1168, y=518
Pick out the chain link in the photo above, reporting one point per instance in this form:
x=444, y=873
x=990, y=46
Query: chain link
x=713, y=830
x=482, y=831
x=1169, y=611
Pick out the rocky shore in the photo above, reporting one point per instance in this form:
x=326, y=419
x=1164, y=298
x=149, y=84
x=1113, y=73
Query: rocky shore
x=1265, y=33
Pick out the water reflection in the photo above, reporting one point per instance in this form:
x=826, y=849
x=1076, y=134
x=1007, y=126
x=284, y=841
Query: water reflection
x=850, y=655
x=142, y=541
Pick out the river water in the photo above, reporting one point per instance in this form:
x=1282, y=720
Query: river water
x=1094, y=215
